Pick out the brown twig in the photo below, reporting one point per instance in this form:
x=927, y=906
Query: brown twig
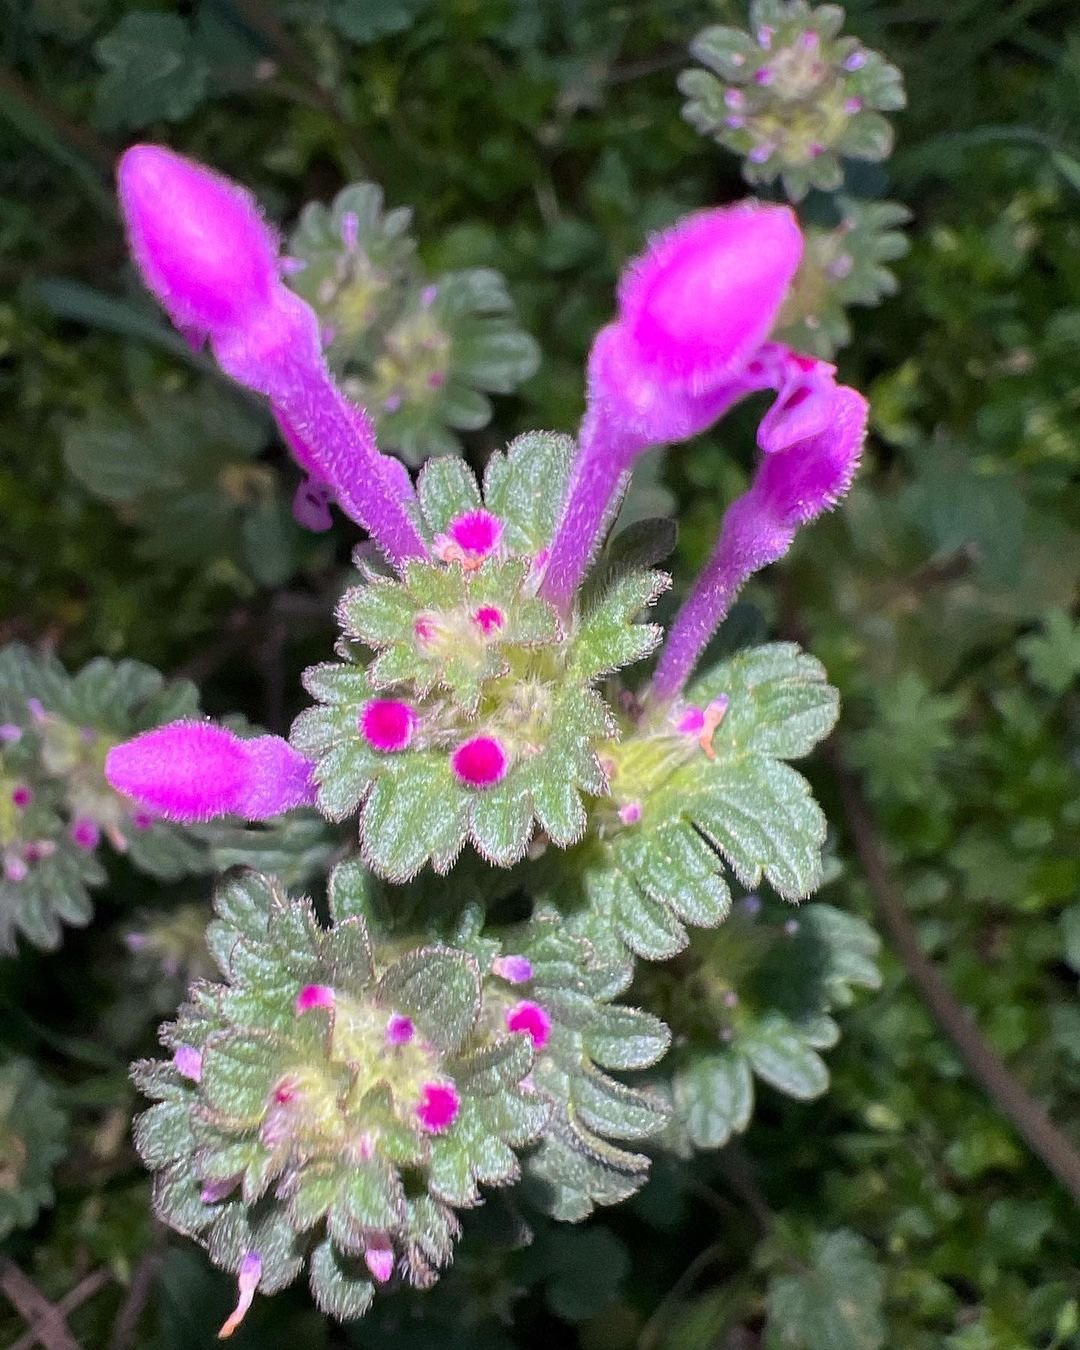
x=1029, y=1118
x=126, y=1326
x=44, y=1318
x=74, y=1298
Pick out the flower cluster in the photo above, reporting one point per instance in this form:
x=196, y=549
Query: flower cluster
x=420, y=353
x=791, y=96
x=56, y=807
x=346, y=1088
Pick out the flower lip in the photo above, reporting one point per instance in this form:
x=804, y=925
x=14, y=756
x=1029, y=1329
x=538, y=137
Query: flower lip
x=438, y=1107
x=531, y=1019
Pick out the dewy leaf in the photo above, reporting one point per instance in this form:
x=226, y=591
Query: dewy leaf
x=331, y=1098
x=833, y=1303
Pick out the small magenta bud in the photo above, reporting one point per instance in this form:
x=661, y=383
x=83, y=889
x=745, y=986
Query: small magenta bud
x=436, y=379
x=760, y=154
x=37, y=849
x=199, y=240
x=36, y=709
x=247, y=1282
x=480, y=763
x=387, y=724
x=424, y=630
x=853, y=106
x=513, y=969
x=188, y=1062
x=530, y=1018
x=630, y=813
x=21, y=796
x=15, y=869
x=10, y=733
x=469, y=539
x=489, y=619
x=314, y=996
x=855, y=61
x=379, y=1258
x=399, y=1030
x=213, y=1191
x=428, y=296
x=764, y=76
x=142, y=820
x=350, y=230
x=734, y=98
x=438, y=1107
x=85, y=834
x=765, y=36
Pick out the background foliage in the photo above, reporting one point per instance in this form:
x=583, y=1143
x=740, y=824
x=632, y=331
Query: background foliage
x=543, y=138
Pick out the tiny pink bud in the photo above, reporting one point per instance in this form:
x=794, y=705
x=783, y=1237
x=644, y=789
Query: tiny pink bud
x=438, y=1107
x=314, y=996
x=765, y=35
x=10, y=733
x=188, y=1062
x=853, y=106
x=36, y=709
x=690, y=721
x=764, y=76
x=760, y=154
x=436, y=379
x=630, y=814
x=855, y=61
x=530, y=1018
x=513, y=969
x=15, y=869
x=470, y=538
x=388, y=724
x=399, y=1030
x=428, y=296
x=213, y=1191
x=391, y=403
x=247, y=1282
x=480, y=763
x=350, y=230
x=379, y=1258
x=21, y=796
x=424, y=630
x=37, y=849
x=291, y=266
x=734, y=98
x=489, y=619
x=85, y=834
x=142, y=820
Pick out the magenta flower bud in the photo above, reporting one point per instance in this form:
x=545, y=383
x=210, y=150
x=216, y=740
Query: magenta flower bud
x=489, y=619
x=530, y=1018
x=399, y=1030
x=21, y=796
x=469, y=539
x=314, y=996
x=350, y=230
x=438, y=1107
x=388, y=724
x=792, y=486
x=188, y=1062
x=513, y=969
x=630, y=813
x=480, y=763
x=214, y=1191
x=10, y=733
x=15, y=869
x=194, y=771
x=379, y=1258
x=199, y=240
x=247, y=1282
x=36, y=709
x=85, y=834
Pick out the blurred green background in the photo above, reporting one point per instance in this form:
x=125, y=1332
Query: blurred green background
x=544, y=138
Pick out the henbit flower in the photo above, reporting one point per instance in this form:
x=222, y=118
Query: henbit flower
x=693, y=311
x=530, y=1018
x=194, y=771
x=388, y=724
x=85, y=834
x=480, y=763
x=792, y=486
x=488, y=619
x=248, y=1282
x=438, y=1107
x=21, y=796
x=211, y=260
x=689, y=341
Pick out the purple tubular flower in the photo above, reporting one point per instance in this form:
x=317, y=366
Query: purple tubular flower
x=194, y=771
x=209, y=257
x=794, y=484
x=694, y=311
